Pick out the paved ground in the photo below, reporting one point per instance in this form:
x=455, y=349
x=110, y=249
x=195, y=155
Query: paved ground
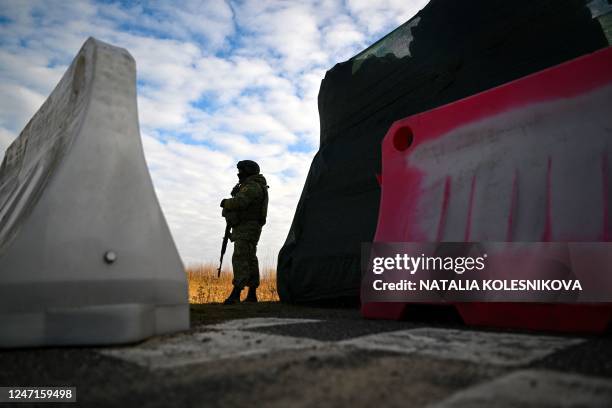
x=277, y=355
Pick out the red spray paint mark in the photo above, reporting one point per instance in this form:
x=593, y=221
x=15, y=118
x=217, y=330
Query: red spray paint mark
x=444, y=210
x=546, y=236
x=513, y=204
x=606, y=197
x=468, y=225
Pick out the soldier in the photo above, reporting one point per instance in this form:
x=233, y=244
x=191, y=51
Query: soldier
x=246, y=213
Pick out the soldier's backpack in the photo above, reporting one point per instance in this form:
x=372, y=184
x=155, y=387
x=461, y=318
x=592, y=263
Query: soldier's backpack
x=264, y=206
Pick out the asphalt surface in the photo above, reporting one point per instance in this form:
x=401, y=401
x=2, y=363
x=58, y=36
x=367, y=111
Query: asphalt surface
x=271, y=354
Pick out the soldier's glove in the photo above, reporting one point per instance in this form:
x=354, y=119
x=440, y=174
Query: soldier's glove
x=222, y=203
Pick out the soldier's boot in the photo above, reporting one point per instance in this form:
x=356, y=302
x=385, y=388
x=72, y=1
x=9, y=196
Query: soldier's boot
x=234, y=297
x=252, y=295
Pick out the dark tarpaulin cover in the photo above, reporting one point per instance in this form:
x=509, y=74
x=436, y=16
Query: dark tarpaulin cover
x=449, y=50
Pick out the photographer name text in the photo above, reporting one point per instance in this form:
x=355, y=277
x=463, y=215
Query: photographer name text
x=479, y=285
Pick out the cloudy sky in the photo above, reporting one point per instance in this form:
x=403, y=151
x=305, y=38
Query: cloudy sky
x=218, y=81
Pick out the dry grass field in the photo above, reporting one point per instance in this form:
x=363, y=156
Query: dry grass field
x=205, y=287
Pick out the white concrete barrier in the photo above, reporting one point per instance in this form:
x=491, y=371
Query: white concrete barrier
x=86, y=256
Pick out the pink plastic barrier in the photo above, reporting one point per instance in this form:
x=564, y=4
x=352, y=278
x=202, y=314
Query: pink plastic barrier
x=530, y=160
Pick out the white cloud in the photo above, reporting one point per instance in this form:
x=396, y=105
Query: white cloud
x=6, y=138
x=17, y=105
x=343, y=38
x=381, y=16
x=219, y=82
x=29, y=69
x=287, y=30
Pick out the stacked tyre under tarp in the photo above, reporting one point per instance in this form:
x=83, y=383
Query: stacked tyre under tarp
x=448, y=51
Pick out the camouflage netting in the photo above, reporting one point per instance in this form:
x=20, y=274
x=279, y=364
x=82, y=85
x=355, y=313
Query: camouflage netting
x=449, y=50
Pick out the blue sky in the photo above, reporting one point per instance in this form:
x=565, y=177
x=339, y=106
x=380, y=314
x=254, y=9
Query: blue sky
x=218, y=81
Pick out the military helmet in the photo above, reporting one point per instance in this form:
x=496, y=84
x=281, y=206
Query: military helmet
x=248, y=167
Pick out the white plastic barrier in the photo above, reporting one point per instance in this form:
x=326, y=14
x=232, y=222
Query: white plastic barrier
x=86, y=256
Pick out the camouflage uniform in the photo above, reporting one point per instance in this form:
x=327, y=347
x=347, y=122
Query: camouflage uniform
x=246, y=213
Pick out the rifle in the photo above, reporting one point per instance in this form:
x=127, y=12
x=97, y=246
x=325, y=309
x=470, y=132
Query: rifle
x=228, y=227
x=224, y=246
